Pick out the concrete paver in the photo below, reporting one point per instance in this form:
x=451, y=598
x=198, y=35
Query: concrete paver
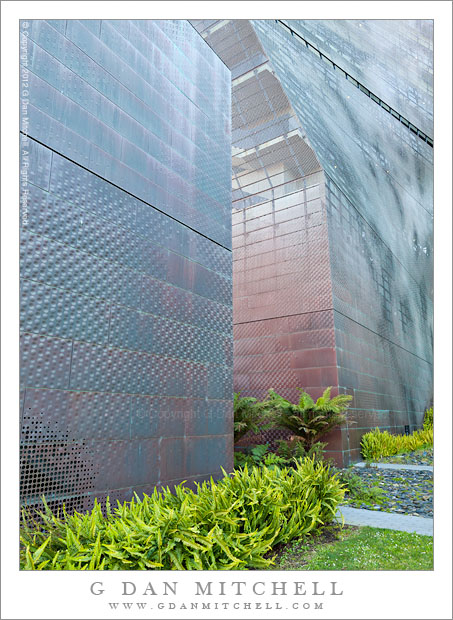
x=386, y=520
x=397, y=466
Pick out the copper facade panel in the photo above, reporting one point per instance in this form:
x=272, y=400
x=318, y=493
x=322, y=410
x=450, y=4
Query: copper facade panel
x=126, y=298
x=332, y=206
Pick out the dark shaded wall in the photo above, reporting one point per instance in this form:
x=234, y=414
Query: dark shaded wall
x=379, y=205
x=126, y=354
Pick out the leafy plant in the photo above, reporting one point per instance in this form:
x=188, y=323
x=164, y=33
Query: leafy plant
x=294, y=448
x=253, y=456
x=377, y=443
x=288, y=452
x=308, y=419
x=241, y=459
x=357, y=490
x=259, y=455
x=259, y=451
x=428, y=420
x=226, y=525
x=274, y=460
x=248, y=416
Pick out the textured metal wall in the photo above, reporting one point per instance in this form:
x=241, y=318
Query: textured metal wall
x=393, y=58
x=283, y=319
x=283, y=331
x=126, y=356
x=332, y=286
x=378, y=202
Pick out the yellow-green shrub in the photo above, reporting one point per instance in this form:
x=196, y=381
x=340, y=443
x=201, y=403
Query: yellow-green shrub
x=226, y=525
x=377, y=444
x=428, y=420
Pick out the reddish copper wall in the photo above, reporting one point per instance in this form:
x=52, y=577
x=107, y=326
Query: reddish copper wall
x=284, y=335
x=294, y=115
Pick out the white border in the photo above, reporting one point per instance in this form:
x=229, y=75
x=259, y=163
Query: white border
x=366, y=595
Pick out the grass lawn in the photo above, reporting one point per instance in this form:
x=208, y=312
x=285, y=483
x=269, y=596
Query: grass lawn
x=357, y=548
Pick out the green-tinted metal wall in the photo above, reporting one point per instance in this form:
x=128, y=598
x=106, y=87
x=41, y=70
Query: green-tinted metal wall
x=126, y=354
x=332, y=269
x=379, y=202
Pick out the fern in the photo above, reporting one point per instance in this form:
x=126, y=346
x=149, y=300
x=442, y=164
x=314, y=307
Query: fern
x=248, y=416
x=294, y=448
x=308, y=420
x=231, y=524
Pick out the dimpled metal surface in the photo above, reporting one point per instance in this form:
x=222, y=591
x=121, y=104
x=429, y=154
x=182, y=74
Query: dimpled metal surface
x=379, y=205
x=332, y=214
x=283, y=318
x=126, y=304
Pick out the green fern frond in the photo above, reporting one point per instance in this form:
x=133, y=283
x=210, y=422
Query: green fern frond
x=308, y=420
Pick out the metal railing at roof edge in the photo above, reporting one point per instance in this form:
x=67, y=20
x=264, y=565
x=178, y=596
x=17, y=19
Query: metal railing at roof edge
x=404, y=121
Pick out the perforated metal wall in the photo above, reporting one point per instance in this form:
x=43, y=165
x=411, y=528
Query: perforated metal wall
x=378, y=202
x=342, y=295
x=283, y=318
x=126, y=354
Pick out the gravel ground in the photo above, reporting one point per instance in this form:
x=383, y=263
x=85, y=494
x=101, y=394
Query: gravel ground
x=425, y=457
x=404, y=491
